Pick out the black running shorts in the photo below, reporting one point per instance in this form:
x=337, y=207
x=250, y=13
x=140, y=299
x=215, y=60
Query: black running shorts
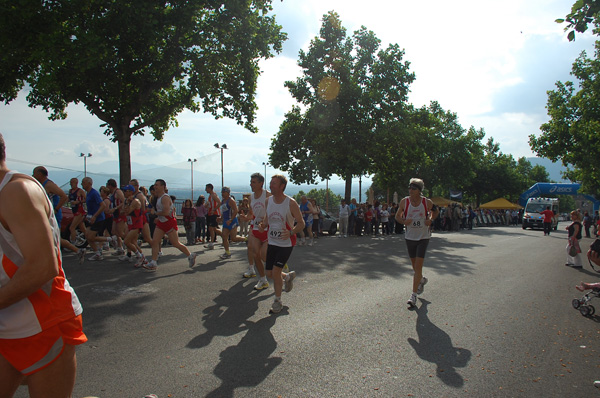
x=277, y=256
x=417, y=248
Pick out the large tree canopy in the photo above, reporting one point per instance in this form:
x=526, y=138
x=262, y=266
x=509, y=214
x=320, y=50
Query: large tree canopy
x=137, y=64
x=349, y=92
x=573, y=132
x=583, y=13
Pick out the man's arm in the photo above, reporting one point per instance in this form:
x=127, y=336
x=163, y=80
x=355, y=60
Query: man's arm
x=25, y=215
x=51, y=187
x=295, y=210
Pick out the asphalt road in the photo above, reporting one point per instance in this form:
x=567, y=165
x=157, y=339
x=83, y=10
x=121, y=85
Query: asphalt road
x=495, y=320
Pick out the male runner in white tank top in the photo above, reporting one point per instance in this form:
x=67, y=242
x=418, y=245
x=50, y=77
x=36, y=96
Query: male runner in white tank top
x=257, y=241
x=417, y=213
x=281, y=212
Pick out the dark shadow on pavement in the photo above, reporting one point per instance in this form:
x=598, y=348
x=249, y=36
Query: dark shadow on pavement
x=229, y=315
x=435, y=346
x=249, y=362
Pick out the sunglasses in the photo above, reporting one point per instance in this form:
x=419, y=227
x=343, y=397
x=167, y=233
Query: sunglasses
x=413, y=187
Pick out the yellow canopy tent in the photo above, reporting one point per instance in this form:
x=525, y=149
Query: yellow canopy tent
x=500, y=203
x=442, y=202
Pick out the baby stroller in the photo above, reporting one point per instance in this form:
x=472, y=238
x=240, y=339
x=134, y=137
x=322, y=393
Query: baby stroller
x=582, y=304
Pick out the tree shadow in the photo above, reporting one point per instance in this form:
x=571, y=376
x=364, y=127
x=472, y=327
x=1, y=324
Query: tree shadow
x=229, y=315
x=435, y=346
x=249, y=362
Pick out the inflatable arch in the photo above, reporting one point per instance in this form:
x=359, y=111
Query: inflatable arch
x=548, y=188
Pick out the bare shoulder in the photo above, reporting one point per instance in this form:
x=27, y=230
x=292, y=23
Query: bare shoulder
x=26, y=197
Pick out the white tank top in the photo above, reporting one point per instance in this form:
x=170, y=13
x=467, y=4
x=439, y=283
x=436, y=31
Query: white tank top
x=159, y=208
x=417, y=229
x=53, y=303
x=280, y=218
x=258, y=208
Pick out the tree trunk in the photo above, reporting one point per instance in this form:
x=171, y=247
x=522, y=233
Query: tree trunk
x=348, y=190
x=124, y=158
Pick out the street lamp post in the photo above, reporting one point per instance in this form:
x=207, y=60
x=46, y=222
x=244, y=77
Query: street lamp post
x=192, y=164
x=223, y=146
x=84, y=156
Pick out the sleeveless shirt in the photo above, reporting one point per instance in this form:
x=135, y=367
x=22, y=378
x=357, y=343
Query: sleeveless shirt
x=53, y=303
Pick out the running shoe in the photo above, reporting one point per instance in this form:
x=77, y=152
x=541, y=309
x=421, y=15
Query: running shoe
x=412, y=301
x=151, y=266
x=192, y=259
x=210, y=246
x=81, y=255
x=225, y=255
x=125, y=257
x=261, y=285
x=119, y=251
x=276, y=307
x=422, y=285
x=96, y=257
x=106, y=246
x=250, y=273
x=289, y=283
x=140, y=262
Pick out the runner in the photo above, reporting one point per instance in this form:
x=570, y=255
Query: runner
x=281, y=212
x=39, y=311
x=416, y=212
x=257, y=240
x=76, y=200
x=166, y=224
x=58, y=198
x=139, y=195
x=132, y=208
x=212, y=205
x=95, y=209
x=119, y=223
x=307, y=210
x=230, y=221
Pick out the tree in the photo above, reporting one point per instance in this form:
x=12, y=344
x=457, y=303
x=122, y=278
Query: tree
x=583, y=13
x=136, y=64
x=573, y=132
x=322, y=196
x=348, y=92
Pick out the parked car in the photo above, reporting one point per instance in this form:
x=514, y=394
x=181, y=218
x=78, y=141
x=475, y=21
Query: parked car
x=330, y=223
x=67, y=219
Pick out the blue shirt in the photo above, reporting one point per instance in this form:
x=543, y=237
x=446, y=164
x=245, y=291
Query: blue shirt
x=93, y=202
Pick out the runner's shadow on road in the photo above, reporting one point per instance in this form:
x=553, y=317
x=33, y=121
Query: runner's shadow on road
x=229, y=314
x=435, y=346
x=249, y=362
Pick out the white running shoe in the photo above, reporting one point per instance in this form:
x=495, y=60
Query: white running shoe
x=192, y=259
x=261, y=285
x=412, y=301
x=225, y=256
x=96, y=257
x=289, y=283
x=127, y=258
x=276, y=307
x=422, y=285
x=250, y=273
x=151, y=266
x=140, y=262
x=119, y=251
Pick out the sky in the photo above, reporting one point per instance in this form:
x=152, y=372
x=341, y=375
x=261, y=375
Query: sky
x=490, y=62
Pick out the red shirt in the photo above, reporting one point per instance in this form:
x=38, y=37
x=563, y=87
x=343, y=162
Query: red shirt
x=548, y=214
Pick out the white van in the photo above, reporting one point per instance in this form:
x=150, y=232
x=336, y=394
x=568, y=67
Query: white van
x=532, y=217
